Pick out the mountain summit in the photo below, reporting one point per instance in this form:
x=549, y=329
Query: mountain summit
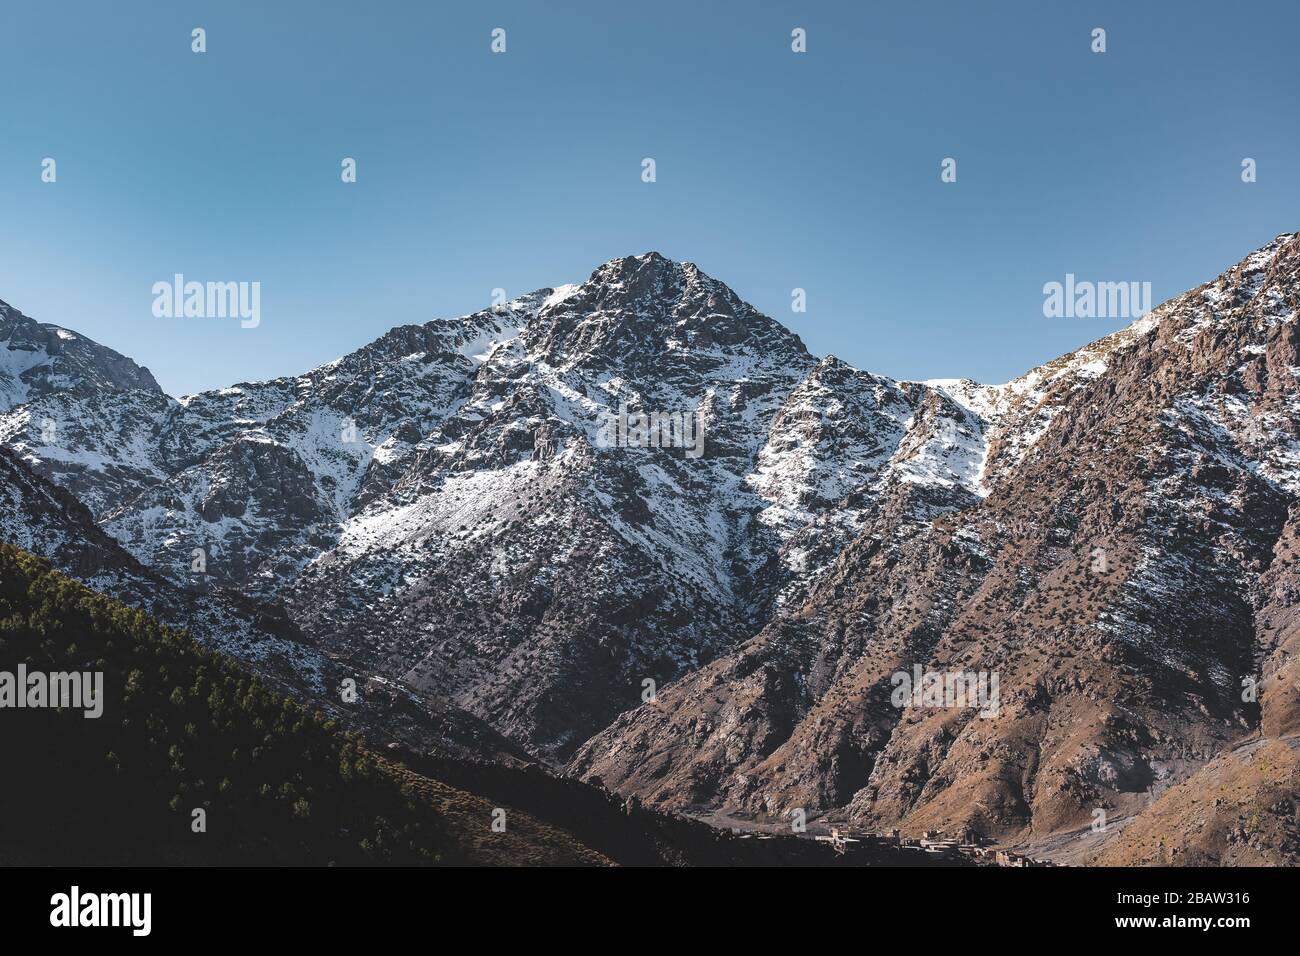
x=37, y=359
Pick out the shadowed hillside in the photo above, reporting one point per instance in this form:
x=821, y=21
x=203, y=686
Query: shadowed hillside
x=184, y=728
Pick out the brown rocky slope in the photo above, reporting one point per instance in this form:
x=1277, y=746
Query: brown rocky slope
x=1128, y=575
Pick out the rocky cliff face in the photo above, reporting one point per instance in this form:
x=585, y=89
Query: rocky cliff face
x=469, y=507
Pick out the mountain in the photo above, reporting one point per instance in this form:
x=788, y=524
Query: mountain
x=464, y=510
x=83, y=414
x=1126, y=570
x=438, y=506
x=41, y=517
x=40, y=358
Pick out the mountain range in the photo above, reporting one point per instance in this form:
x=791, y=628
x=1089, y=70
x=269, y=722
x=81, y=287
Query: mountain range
x=440, y=514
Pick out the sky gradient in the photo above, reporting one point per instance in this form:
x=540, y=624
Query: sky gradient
x=521, y=170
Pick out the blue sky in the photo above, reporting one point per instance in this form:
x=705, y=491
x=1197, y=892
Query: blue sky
x=775, y=170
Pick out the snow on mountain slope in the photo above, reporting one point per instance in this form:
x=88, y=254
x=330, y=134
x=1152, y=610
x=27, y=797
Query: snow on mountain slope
x=46, y=520
x=42, y=518
x=38, y=358
x=833, y=434
x=80, y=413
x=264, y=474
x=442, y=506
x=1016, y=414
x=623, y=564
x=104, y=447
x=1124, y=566
x=460, y=466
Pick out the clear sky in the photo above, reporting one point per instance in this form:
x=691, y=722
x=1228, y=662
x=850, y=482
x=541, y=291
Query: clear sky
x=520, y=170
